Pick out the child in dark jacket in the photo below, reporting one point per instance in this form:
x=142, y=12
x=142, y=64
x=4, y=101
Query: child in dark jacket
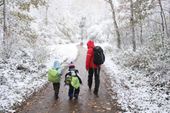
x=73, y=80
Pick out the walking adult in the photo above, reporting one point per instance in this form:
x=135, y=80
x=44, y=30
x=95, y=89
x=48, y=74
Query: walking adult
x=93, y=69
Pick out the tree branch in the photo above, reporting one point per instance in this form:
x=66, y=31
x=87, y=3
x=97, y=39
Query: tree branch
x=1, y=4
x=154, y=21
x=107, y=1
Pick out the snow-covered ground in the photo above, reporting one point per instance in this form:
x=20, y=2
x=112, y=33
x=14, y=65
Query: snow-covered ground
x=22, y=74
x=21, y=78
x=134, y=87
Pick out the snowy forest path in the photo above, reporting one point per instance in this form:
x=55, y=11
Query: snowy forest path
x=44, y=102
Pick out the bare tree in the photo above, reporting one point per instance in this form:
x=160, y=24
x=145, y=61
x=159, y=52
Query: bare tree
x=4, y=20
x=141, y=11
x=163, y=23
x=132, y=25
x=115, y=23
x=46, y=14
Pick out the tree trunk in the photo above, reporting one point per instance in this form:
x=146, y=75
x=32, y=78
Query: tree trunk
x=4, y=22
x=141, y=30
x=132, y=26
x=165, y=22
x=115, y=25
x=141, y=33
x=46, y=16
x=162, y=23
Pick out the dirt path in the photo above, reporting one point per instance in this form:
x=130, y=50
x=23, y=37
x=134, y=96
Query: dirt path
x=44, y=102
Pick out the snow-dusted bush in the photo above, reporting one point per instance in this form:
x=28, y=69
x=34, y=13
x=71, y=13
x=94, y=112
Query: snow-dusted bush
x=40, y=54
x=134, y=60
x=9, y=48
x=142, y=79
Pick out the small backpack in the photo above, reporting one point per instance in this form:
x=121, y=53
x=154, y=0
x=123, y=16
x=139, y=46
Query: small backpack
x=99, y=56
x=67, y=80
x=53, y=75
x=75, y=82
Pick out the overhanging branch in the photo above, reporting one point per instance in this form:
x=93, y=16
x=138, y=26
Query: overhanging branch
x=1, y=4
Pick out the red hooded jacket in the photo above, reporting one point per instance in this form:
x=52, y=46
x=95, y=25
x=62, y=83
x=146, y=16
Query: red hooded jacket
x=90, y=55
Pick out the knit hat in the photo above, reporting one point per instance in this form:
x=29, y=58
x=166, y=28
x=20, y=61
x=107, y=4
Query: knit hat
x=71, y=66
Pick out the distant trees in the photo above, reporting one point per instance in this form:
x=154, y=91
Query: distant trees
x=3, y=4
x=163, y=22
x=138, y=21
x=111, y=3
x=132, y=23
x=16, y=22
x=82, y=26
x=46, y=13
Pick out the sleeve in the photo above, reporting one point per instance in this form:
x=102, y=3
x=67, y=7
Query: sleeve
x=88, y=58
x=79, y=79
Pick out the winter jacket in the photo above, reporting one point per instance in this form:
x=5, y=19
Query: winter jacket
x=90, y=55
x=69, y=73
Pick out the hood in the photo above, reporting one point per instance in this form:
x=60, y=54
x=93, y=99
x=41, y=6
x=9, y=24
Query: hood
x=56, y=65
x=90, y=44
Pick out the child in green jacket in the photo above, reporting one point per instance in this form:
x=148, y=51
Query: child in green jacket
x=54, y=76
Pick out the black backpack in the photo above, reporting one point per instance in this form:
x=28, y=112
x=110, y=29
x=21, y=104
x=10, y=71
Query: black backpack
x=99, y=56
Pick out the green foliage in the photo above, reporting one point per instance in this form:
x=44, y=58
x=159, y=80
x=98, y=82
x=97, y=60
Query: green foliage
x=21, y=16
x=23, y=27
x=25, y=6
x=37, y=3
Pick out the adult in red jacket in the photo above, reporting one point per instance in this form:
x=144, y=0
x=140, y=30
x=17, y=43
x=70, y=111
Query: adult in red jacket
x=92, y=68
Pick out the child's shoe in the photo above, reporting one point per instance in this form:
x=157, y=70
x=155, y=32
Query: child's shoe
x=76, y=97
x=96, y=93
x=56, y=95
x=70, y=97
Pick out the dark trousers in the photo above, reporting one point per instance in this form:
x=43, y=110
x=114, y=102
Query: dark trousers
x=73, y=91
x=56, y=87
x=96, y=73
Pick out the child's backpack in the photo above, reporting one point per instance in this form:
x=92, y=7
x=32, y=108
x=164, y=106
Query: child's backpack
x=75, y=82
x=99, y=56
x=72, y=79
x=53, y=75
x=68, y=80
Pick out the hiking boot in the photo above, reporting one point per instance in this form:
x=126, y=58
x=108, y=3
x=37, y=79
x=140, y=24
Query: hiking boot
x=89, y=88
x=95, y=93
x=70, y=97
x=76, y=97
x=56, y=95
